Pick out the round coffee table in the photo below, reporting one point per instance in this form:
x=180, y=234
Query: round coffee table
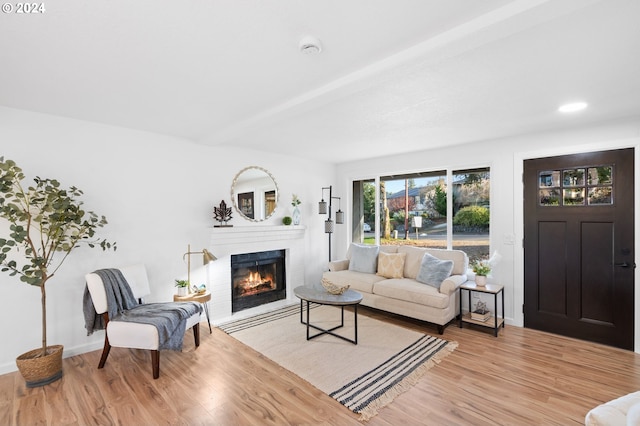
x=322, y=297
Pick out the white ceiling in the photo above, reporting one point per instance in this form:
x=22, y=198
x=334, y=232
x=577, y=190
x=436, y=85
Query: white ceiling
x=394, y=75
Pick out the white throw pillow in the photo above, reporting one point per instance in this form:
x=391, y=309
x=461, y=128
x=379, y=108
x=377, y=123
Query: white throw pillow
x=433, y=270
x=364, y=258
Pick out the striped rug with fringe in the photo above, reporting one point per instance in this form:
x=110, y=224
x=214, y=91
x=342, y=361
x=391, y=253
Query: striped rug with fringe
x=387, y=361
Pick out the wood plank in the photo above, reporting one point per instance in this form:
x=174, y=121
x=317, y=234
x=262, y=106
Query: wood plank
x=522, y=376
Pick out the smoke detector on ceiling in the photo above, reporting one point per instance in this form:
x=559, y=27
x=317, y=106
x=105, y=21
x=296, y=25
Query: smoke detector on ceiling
x=310, y=45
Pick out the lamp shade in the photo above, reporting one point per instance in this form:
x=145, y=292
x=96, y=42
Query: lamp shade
x=340, y=217
x=328, y=226
x=207, y=257
x=322, y=207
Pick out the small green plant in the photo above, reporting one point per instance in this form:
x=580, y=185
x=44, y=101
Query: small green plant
x=287, y=220
x=481, y=267
x=182, y=283
x=295, y=201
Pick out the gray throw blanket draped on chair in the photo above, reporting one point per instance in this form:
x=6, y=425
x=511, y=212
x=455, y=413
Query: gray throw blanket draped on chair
x=169, y=318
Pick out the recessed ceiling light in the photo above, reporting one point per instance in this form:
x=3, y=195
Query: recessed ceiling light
x=573, y=107
x=310, y=45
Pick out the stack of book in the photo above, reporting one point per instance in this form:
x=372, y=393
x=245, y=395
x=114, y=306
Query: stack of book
x=481, y=315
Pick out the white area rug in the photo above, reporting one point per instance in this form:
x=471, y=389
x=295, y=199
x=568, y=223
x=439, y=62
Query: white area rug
x=387, y=360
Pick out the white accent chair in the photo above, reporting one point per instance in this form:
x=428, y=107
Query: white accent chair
x=129, y=334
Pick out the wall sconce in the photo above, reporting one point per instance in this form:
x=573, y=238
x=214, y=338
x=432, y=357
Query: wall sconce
x=207, y=258
x=325, y=208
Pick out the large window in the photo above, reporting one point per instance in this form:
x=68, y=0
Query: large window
x=471, y=211
x=423, y=209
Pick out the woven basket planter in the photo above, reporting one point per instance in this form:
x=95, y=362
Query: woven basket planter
x=41, y=370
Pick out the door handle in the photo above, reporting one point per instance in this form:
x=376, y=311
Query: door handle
x=625, y=265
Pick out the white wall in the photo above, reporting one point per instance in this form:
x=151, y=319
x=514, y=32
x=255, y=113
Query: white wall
x=158, y=195
x=505, y=158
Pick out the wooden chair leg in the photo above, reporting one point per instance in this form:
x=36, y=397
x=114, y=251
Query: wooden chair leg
x=196, y=334
x=105, y=351
x=155, y=361
x=107, y=345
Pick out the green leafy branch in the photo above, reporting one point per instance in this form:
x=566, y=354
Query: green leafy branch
x=46, y=222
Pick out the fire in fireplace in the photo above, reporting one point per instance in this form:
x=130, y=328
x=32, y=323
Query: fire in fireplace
x=257, y=278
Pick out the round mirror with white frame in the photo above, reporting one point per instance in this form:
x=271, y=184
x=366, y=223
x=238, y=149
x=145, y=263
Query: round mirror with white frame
x=254, y=193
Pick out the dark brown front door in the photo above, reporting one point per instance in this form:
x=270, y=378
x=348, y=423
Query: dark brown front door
x=579, y=251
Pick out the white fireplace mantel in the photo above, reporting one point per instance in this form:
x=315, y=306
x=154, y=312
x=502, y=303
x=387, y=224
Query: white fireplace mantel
x=228, y=241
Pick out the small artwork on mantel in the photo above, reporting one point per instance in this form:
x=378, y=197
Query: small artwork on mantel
x=223, y=215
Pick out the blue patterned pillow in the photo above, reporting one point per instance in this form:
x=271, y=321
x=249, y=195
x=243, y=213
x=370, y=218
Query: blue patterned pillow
x=364, y=258
x=433, y=270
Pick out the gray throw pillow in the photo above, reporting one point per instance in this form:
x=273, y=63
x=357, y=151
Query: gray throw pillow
x=433, y=270
x=364, y=258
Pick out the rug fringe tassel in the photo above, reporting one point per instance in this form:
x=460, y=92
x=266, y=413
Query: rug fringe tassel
x=372, y=409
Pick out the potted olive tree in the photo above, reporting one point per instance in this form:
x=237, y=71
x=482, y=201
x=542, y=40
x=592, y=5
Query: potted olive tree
x=45, y=223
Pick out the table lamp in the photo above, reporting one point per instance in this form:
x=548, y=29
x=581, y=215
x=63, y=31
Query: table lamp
x=207, y=257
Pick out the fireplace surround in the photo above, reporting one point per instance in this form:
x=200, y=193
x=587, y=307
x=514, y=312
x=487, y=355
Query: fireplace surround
x=238, y=240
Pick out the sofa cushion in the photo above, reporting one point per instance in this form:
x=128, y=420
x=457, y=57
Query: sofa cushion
x=391, y=265
x=386, y=249
x=364, y=258
x=358, y=281
x=339, y=265
x=410, y=290
x=389, y=249
x=412, y=261
x=433, y=270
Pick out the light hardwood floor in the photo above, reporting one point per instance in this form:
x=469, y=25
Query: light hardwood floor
x=521, y=377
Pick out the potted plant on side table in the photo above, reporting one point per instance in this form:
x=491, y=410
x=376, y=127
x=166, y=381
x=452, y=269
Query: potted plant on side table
x=183, y=287
x=481, y=268
x=46, y=222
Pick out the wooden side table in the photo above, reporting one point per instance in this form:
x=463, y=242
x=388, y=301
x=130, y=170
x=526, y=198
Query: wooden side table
x=494, y=289
x=197, y=297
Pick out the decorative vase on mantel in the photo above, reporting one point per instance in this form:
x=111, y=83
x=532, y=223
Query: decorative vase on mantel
x=296, y=215
x=481, y=280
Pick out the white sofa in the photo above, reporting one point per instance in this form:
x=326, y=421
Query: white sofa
x=403, y=292
x=618, y=412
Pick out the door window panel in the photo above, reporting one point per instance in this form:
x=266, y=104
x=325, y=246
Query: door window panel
x=573, y=196
x=592, y=186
